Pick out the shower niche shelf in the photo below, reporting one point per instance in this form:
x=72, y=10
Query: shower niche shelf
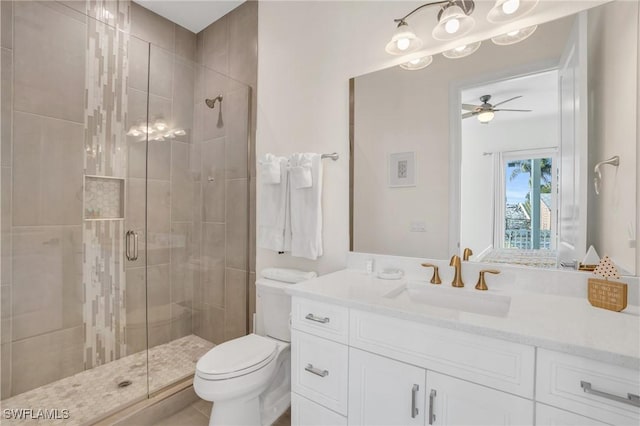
x=103, y=198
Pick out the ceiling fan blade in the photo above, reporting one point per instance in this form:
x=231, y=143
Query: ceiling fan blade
x=468, y=114
x=508, y=100
x=514, y=110
x=469, y=107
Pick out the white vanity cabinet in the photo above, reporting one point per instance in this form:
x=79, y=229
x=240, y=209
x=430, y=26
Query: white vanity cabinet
x=384, y=392
x=361, y=368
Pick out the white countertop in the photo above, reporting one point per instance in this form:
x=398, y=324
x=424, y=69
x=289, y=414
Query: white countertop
x=562, y=323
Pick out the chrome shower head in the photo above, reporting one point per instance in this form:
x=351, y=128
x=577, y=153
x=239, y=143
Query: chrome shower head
x=211, y=103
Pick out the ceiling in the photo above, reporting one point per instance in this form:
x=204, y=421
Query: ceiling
x=192, y=15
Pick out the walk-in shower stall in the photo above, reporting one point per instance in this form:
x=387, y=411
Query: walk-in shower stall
x=125, y=205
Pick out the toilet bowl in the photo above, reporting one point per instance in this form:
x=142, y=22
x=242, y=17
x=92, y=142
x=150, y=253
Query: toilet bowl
x=248, y=378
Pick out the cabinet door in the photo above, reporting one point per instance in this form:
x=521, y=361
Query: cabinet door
x=551, y=416
x=384, y=392
x=307, y=413
x=457, y=402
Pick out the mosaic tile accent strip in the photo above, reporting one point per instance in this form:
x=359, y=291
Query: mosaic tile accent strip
x=103, y=198
x=106, y=75
x=94, y=394
x=104, y=309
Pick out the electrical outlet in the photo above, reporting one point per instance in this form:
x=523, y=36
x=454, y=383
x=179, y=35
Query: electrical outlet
x=418, y=227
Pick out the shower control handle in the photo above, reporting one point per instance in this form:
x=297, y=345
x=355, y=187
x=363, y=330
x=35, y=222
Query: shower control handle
x=131, y=245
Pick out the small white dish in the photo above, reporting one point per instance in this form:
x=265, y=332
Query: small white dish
x=391, y=274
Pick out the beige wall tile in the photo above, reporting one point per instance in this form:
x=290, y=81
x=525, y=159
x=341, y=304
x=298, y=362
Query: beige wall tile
x=6, y=106
x=185, y=43
x=6, y=31
x=184, y=78
x=46, y=358
x=5, y=314
x=47, y=280
x=161, y=72
x=213, y=192
x=252, y=298
x=5, y=370
x=213, y=261
x=215, y=48
x=47, y=172
x=138, y=64
x=152, y=27
x=49, y=61
x=182, y=202
x=184, y=269
x=237, y=225
x=136, y=110
x=235, y=318
x=209, y=323
x=243, y=43
x=236, y=121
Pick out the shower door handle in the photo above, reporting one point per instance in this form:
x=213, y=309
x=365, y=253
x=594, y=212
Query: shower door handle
x=131, y=245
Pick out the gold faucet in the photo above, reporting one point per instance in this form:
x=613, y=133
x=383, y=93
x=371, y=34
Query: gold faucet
x=435, y=279
x=466, y=254
x=457, y=279
x=482, y=284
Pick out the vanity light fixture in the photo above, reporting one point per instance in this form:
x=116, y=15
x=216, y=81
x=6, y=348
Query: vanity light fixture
x=403, y=41
x=513, y=37
x=418, y=63
x=461, y=51
x=454, y=21
x=510, y=10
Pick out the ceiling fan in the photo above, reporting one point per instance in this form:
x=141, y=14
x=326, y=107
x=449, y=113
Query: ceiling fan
x=485, y=112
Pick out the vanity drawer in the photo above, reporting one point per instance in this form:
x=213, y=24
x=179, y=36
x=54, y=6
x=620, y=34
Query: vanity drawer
x=499, y=364
x=308, y=413
x=590, y=388
x=320, y=319
x=319, y=370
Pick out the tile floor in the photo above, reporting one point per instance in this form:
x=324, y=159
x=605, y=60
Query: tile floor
x=94, y=393
x=197, y=414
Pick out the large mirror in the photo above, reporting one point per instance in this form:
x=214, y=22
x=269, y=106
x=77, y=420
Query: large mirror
x=496, y=151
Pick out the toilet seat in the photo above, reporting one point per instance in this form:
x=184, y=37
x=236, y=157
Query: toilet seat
x=237, y=357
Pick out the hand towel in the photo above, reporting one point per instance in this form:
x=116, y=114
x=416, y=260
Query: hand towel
x=287, y=275
x=273, y=215
x=269, y=167
x=300, y=174
x=306, y=209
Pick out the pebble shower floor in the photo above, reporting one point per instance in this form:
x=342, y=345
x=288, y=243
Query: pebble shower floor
x=94, y=394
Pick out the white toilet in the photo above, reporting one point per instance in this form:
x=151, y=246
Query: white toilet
x=249, y=378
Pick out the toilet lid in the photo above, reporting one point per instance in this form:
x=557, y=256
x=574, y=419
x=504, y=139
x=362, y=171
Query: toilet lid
x=236, y=357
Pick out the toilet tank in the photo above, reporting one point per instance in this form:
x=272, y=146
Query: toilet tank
x=273, y=308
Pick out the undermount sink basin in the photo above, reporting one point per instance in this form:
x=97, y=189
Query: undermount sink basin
x=473, y=301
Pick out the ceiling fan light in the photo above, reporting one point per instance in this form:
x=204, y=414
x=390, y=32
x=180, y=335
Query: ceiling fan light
x=404, y=41
x=453, y=23
x=510, y=10
x=461, y=51
x=485, y=116
x=513, y=37
x=417, y=64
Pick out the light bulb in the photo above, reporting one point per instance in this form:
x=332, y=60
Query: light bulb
x=513, y=33
x=485, y=116
x=510, y=6
x=460, y=48
x=452, y=26
x=403, y=43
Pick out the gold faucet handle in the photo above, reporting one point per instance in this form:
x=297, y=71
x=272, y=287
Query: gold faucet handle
x=466, y=254
x=482, y=284
x=435, y=279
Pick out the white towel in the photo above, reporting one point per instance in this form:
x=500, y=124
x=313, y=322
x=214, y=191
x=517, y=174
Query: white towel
x=306, y=209
x=269, y=167
x=300, y=174
x=273, y=216
x=287, y=275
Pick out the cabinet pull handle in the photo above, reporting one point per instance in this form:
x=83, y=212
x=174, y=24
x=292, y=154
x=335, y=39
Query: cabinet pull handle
x=631, y=399
x=414, y=395
x=135, y=245
x=311, y=369
x=432, y=397
x=312, y=317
